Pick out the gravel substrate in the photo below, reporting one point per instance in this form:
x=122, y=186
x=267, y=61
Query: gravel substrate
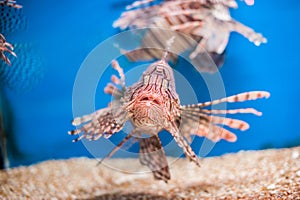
x=268, y=174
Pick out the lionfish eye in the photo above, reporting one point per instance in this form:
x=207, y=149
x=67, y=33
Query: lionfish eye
x=145, y=99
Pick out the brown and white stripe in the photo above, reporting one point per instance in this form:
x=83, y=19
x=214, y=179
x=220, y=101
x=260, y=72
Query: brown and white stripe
x=203, y=122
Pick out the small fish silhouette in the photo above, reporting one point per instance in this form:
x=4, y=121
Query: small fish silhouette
x=152, y=105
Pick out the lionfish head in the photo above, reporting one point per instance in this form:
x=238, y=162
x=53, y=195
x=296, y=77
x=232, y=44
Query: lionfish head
x=150, y=102
x=148, y=105
x=159, y=74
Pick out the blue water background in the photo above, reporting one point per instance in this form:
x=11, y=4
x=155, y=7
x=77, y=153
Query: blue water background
x=66, y=31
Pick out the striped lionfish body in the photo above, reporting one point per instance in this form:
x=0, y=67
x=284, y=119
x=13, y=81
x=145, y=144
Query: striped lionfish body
x=152, y=105
x=207, y=22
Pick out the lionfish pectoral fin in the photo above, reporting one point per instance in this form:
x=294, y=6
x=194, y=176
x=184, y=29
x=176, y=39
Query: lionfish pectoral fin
x=118, y=81
x=216, y=133
x=208, y=62
x=153, y=156
x=203, y=123
x=111, y=88
x=140, y=54
x=116, y=148
x=113, y=91
x=136, y=4
x=153, y=46
x=181, y=142
x=248, y=33
x=245, y=96
x=206, y=128
x=105, y=121
x=148, y=54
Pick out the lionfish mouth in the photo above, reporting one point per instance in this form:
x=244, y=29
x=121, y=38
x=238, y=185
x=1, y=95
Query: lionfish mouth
x=150, y=100
x=149, y=107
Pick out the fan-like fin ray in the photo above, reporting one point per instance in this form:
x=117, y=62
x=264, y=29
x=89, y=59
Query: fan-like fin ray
x=246, y=96
x=106, y=122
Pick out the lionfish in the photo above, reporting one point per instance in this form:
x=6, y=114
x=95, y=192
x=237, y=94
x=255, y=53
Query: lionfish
x=4, y=45
x=207, y=22
x=152, y=105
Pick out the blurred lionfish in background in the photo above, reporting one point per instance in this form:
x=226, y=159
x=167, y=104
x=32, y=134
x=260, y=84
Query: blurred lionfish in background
x=152, y=105
x=25, y=71
x=208, y=22
x=5, y=46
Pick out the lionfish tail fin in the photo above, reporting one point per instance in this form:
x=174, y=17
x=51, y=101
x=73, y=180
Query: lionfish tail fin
x=153, y=156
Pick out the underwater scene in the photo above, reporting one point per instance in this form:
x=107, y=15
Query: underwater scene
x=149, y=99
